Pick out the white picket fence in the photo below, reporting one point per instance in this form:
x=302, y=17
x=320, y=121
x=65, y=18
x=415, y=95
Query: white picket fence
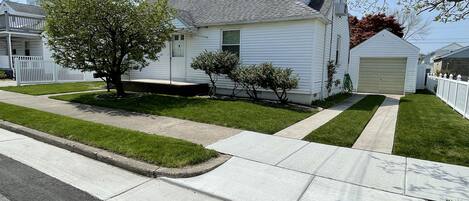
x=29, y=71
x=453, y=92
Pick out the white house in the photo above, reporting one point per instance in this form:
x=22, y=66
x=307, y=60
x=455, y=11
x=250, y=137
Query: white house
x=299, y=34
x=21, y=26
x=384, y=63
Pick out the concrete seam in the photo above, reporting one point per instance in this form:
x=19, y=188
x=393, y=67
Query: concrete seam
x=13, y=140
x=127, y=190
x=307, y=187
x=291, y=154
x=169, y=181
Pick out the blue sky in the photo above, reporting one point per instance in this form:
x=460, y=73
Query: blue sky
x=440, y=34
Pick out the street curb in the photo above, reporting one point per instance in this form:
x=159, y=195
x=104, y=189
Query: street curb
x=117, y=160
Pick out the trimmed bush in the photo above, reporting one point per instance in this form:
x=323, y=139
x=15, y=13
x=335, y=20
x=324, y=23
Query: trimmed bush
x=279, y=80
x=215, y=64
x=265, y=76
x=249, y=78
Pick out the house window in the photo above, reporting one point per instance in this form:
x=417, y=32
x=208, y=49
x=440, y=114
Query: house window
x=230, y=41
x=337, y=51
x=178, y=46
x=27, y=52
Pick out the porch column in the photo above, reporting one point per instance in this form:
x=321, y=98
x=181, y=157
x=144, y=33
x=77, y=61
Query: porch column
x=10, y=56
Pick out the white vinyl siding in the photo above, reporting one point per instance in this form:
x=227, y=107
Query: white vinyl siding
x=155, y=70
x=386, y=45
x=285, y=44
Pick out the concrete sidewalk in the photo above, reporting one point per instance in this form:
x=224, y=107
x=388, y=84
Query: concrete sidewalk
x=100, y=180
x=268, y=166
x=195, y=132
x=378, y=134
x=308, y=125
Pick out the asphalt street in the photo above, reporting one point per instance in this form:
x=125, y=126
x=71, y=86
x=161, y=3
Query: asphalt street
x=19, y=182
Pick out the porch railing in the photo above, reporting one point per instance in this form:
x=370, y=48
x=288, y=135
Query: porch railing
x=23, y=24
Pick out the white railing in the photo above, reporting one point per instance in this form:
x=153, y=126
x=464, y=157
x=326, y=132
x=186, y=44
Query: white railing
x=453, y=92
x=41, y=71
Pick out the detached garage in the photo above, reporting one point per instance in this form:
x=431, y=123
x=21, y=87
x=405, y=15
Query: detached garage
x=384, y=64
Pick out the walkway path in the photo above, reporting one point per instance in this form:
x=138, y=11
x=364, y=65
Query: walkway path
x=308, y=125
x=199, y=133
x=378, y=134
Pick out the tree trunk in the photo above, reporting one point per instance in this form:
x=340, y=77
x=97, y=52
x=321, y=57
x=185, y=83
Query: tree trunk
x=117, y=81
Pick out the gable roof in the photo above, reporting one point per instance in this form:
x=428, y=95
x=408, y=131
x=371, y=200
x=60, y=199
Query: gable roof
x=387, y=33
x=222, y=12
x=460, y=53
x=25, y=8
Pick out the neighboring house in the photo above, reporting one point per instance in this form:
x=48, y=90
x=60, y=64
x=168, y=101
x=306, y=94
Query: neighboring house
x=21, y=39
x=288, y=33
x=21, y=26
x=430, y=57
x=385, y=64
x=456, y=63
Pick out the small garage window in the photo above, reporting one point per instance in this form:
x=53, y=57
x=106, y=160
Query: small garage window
x=231, y=41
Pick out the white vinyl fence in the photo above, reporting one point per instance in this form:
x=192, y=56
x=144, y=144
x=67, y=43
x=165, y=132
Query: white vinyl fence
x=454, y=92
x=30, y=71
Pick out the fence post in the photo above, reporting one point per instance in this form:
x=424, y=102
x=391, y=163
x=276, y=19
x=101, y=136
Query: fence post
x=18, y=74
x=467, y=100
x=54, y=72
x=458, y=79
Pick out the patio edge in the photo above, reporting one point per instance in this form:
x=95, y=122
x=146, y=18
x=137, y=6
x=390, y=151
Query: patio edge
x=129, y=164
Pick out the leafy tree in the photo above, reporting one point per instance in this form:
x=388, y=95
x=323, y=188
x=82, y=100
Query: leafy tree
x=414, y=25
x=368, y=26
x=110, y=37
x=215, y=64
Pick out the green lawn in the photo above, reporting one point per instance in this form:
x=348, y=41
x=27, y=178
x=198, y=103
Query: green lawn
x=345, y=129
x=43, y=89
x=158, y=150
x=332, y=100
x=429, y=129
x=236, y=114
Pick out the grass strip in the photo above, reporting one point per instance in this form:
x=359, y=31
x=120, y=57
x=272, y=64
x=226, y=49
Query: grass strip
x=43, y=89
x=332, y=100
x=429, y=129
x=345, y=129
x=158, y=150
x=230, y=113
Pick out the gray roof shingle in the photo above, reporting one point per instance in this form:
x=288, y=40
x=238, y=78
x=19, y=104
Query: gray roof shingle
x=218, y=12
x=25, y=8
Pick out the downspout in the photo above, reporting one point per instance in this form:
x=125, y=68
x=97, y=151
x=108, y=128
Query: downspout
x=330, y=50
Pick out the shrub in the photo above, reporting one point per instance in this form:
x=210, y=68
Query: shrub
x=249, y=78
x=348, y=85
x=215, y=64
x=3, y=75
x=331, y=70
x=266, y=76
x=279, y=80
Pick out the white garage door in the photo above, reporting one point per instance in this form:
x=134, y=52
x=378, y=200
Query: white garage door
x=382, y=75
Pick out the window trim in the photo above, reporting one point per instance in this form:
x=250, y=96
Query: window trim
x=221, y=39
